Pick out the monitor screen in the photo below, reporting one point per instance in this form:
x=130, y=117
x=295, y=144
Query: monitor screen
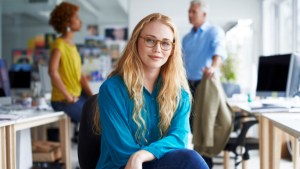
x=273, y=72
x=20, y=79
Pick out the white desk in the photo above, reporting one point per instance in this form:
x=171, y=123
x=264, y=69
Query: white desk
x=264, y=130
x=288, y=123
x=34, y=119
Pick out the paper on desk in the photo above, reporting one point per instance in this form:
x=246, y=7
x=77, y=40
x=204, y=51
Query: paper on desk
x=9, y=116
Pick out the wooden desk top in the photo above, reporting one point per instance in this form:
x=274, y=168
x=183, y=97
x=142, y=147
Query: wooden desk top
x=288, y=122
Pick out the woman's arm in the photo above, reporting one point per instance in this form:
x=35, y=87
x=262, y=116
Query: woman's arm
x=117, y=136
x=85, y=85
x=177, y=136
x=55, y=77
x=137, y=159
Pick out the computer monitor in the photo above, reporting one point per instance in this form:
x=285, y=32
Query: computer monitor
x=278, y=75
x=20, y=82
x=293, y=85
x=273, y=75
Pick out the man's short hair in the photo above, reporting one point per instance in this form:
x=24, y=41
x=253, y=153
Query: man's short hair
x=203, y=5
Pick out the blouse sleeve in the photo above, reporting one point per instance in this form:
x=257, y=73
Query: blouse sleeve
x=57, y=45
x=177, y=136
x=116, y=133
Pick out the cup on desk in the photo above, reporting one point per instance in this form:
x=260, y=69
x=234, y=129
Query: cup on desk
x=27, y=102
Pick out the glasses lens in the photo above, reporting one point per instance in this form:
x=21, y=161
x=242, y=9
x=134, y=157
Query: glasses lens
x=166, y=45
x=150, y=42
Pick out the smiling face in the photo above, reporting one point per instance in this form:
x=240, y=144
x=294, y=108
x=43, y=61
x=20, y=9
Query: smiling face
x=155, y=57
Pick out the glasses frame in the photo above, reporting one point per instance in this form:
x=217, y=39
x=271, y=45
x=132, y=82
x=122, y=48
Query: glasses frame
x=156, y=41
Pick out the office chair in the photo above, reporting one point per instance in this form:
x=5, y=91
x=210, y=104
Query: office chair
x=88, y=142
x=241, y=144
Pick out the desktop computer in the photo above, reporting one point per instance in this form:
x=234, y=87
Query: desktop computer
x=278, y=80
x=278, y=75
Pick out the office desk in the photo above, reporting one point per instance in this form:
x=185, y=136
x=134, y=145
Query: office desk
x=34, y=119
x=3, y=124
x=264, y=130
x=288, y=123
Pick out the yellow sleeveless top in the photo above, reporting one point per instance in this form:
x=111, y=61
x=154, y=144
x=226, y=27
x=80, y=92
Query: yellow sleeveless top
x=69, y=69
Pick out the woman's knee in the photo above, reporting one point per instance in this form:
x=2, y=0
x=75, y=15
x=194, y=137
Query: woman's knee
x=193, y=159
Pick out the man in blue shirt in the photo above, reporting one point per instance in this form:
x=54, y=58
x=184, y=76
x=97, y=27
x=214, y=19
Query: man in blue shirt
x=203, y=47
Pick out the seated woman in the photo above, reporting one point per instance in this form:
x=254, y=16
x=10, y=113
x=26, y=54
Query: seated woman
x=145, y=103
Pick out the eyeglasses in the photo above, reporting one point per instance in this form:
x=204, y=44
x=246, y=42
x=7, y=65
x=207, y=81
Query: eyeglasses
x=151, y=42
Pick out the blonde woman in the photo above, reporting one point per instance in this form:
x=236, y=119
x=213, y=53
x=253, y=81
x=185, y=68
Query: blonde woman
x=145, y=103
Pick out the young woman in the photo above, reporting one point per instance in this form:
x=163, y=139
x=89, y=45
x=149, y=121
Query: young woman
x=145, y=103
x=65, y=63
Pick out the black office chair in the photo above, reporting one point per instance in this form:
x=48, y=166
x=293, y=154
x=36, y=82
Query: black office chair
x=88, y=140
x=241, y=144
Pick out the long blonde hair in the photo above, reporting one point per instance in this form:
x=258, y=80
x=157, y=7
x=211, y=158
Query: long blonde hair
x=173, y=77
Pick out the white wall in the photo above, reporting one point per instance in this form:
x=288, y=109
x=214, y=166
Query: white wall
x=220, y=12
x=176, y=9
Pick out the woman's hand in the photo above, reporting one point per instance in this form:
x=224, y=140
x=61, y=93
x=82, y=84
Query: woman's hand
x=136, y=160
x=72, y=99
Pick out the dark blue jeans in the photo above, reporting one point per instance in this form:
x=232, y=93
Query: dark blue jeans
x=72, y=110
x=177, y=159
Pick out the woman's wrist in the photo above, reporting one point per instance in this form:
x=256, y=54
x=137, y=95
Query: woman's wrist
x=71, y=99
x=144, y=156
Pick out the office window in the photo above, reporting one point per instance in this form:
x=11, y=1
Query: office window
x=279, y=29
x=285, y=16
x=269, y=28
x=298, y=26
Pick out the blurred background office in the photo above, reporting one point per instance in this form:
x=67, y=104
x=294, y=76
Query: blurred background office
x=253, y=28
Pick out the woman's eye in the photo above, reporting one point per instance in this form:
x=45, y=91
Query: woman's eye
x=150, y=41
x=166, y=44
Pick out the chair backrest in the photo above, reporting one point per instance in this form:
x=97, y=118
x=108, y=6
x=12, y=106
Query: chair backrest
x=88, y=141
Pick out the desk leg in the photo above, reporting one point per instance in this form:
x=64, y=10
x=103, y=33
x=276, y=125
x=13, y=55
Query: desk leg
x=275, y=146
x=226, y=159
x=263, y=142
x=2, y=148
x=11, y=147
x=65, y=140
x=295, y=147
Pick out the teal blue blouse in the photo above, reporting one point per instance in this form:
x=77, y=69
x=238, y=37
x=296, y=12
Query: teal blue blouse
x=118, y=141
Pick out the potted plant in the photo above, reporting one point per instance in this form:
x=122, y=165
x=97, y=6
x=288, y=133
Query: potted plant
x=228, y=78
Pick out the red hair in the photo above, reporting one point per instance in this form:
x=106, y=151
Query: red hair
x=61, y=16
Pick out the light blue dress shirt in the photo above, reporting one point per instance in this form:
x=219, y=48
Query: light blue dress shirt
x=199, y=47
x=118, y=128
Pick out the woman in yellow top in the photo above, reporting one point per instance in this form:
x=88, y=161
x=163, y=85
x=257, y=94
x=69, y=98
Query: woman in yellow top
x=65, y=63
